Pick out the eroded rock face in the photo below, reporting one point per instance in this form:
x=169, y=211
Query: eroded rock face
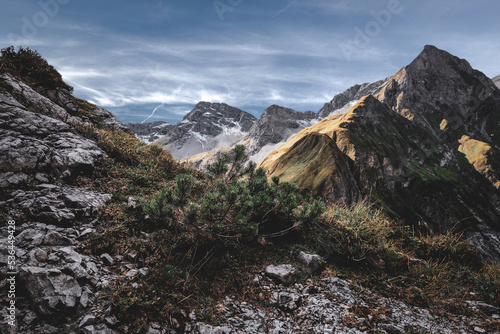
x=39, y=147
x=277, y=124
x=40, y=150
x=58, y=205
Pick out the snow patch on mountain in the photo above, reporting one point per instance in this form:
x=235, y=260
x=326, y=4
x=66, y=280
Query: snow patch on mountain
x=496, y=81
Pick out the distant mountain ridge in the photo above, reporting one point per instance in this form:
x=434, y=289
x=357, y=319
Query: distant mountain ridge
x=206, y=127
x=273, y=128
x=150, y=132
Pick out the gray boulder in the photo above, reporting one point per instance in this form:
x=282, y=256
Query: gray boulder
x=312, y=261
x=283, y=273
x=50, y=289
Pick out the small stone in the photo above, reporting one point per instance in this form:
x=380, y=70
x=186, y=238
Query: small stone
x=152, y=330
x=479, y=330
x=53, y=258
x=132, y=273
x=132, y=202
x=70, y=255
x=42, y=177
x=55, y=239
x=144, y=271
x=41, y=255
x=48, y=329
x=495, y=316
x=75, y=270
x=84, y=299
x=111, y=320
x=29, y=318
x=391, y=329
x=38, y=239
x=289, y=301
x=283, y=272
x=107, y=259
x=86, y=231
x=91, y=268
x=132, y=255
x=89, y=330
x=87, y=320
x=312, y=261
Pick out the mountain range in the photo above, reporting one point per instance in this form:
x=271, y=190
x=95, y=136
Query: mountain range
x=420, y=143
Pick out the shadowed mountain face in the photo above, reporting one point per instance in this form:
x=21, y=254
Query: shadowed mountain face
x=206, y=127
x=426, y=145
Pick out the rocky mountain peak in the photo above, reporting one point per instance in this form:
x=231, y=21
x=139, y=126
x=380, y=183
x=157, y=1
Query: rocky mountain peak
x=279, y=111
x=204, y=111
x=206, y=127
x=437, y=86
x=439, y=69
x=431, y=56
x=428, y=137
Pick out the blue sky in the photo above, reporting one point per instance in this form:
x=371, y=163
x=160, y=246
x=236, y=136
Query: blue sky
x=132, y=57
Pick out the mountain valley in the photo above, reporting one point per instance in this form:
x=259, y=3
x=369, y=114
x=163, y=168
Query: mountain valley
x=380, y=213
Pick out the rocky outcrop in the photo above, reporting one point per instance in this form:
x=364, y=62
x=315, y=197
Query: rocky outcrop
x=206, y=127
x=35, y=147
x=425, y=146
x=150, y=132
x=57, y=286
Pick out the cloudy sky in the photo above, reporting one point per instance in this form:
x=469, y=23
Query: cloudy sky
x=133, y=57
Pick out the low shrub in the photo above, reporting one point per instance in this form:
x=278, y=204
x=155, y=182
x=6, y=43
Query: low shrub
x=30, y=67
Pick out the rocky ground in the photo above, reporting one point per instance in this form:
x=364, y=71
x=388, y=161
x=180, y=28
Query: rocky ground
x=60, y=287
x=332, y=305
